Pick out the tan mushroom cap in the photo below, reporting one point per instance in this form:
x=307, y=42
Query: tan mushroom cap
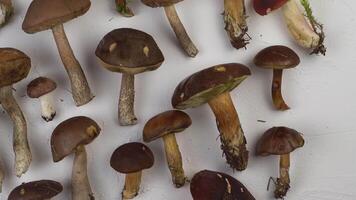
x=43, y=189
x=40, y=86
x=277, y=57
x=160, y=3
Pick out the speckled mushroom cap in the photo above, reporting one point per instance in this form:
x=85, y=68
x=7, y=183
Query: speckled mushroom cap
x=14, y=66
x=160, y=3
x=70, y=134
x=36, y=190
x=129, y=51
x=204, y=85
x=45, y=14
x=277, y=57
x=279, y=141
x=210, y=185
x=40, y=86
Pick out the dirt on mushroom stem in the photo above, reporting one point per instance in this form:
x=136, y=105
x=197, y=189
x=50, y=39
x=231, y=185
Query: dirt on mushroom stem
x=283, y=182
x=277, y=97
x=123, y=9
x=132, y=185
x=127, y=100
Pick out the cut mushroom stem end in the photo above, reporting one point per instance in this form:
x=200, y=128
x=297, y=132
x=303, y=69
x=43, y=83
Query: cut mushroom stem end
x=127, y=99
x=123, y=9
x=283, y=182
x=277, y=97
x=47, y=107
x=132, y=185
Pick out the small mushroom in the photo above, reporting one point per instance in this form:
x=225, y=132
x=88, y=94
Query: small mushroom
x=6, y=10
x=213, y=86
x=70, y=137
x=36, y=190
x=280, y=141
x=15, y=66
x=131, y=159
x=42, y=88
x=130, y=52
x=277, y=58
x=123, y=9
x=176, y=24
x=49, y=14
x=165, y=125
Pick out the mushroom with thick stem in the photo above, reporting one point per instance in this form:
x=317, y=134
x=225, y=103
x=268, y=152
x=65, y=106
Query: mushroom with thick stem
x=6, y=10
x=70, y=137
x=43, y=189
x=123, y=9
x=165, y=125
x=280, y=141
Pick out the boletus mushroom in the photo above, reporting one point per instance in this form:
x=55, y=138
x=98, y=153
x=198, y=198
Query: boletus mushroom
x=213, y=86
x=131, y=159
x=165, y=125
x=280, y=141
x=6, y=11
x=49, y=14
x=70, y=137
x=277, y=58
x=123, y=8
x=36, y=190
x=15, y=66
x=130, y=52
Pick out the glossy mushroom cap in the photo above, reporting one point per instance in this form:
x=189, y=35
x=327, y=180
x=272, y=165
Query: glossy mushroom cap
x=45, y=14
x=210, y=185
x=160, y=3
x=263, y=7
x=132, y=157
x=277, y=57
x=70, y=134
x=204, y=85
x=129, y=51
x=40, y=86
x=37, y=190
x=279, y=141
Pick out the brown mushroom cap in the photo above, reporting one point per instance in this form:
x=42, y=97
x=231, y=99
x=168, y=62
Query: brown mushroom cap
x=132, y=157
x=129, y=51
x=40, y=86
x=45, y=14
x=160, y=3
x=70, y=134
x=277, y=57
x=204, y=85
x=43, y=189
x=14, y=66
x=279, y=141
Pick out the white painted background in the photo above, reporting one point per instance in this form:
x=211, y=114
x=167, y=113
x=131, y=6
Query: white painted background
x=321, y=92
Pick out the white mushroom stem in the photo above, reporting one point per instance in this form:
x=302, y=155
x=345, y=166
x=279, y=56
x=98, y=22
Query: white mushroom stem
x=283, y=181
x=6, y=11
x=132, y=185
x=127, y=100
x=47, y=107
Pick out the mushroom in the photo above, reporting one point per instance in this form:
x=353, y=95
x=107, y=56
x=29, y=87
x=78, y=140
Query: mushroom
x=213, y=86
x=43, y=189
x=277, y=58
x=49, y=14
x=123, y=9
x=176, y=24
x=70, y=137
x=131, y=159
x=165, y=125
x=280, y=141
x=42, y=88
x=130, y=52
x=210, y=185
x=15, y=66
x=6, y=11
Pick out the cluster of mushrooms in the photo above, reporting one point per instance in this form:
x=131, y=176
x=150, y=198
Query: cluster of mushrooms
x=130, y=52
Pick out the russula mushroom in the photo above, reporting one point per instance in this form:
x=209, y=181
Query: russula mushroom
x=6, y=11
x=165, y=125
x=176, y=24
x=41, y=190
x=131, y=159
x=42, y=88
x=211, y=185
x=123, y=9
x=277, y=58
x=15, y=66
x=70, y=137
x=280, y=141
x=49, y=14
x=130, y=52
x=213, y=86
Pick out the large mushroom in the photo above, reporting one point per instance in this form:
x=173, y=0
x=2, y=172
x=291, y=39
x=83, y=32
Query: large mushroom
x=213, y=86
x=6, y=11
x=123, y=8
x=15, y=66
x=43, y=189
x=49, y=14
x=130, y=52
x=70, y=137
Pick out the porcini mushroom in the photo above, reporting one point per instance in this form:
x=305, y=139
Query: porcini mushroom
x=123, y=9
x=165, y=125
x=6, y=11
x=49, y=14
x=42, y=88
x=131, y=159
x=70, y=137
x=280, y=141
x=176, y=24
x=213, y=86
x=15, y=66
x=130, y=52
x=277, y=58
x=41, y=190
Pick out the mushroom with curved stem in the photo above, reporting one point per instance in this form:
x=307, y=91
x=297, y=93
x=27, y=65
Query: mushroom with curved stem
x=43, y=189
x=123, y=9
x=6, y=10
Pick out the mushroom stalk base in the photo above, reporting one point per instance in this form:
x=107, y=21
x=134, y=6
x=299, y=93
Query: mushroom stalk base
x=47, y=107
x=277, y=97
x=283, y=181
x=132, y=185
x=6, y=10
x=123, y=9
x=127, y=99
x=233, y=142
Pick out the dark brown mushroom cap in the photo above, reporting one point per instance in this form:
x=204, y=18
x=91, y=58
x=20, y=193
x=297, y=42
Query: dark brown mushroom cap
x=40, y=86
x=132, y=157
x=204, y=85
x=14, y=66
x=130, y=51
x=277, y=57
x=210, y=185
x=160, y=3
x=45, y=14
x=70, y=134
x=36, y=190
x=279, y=141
